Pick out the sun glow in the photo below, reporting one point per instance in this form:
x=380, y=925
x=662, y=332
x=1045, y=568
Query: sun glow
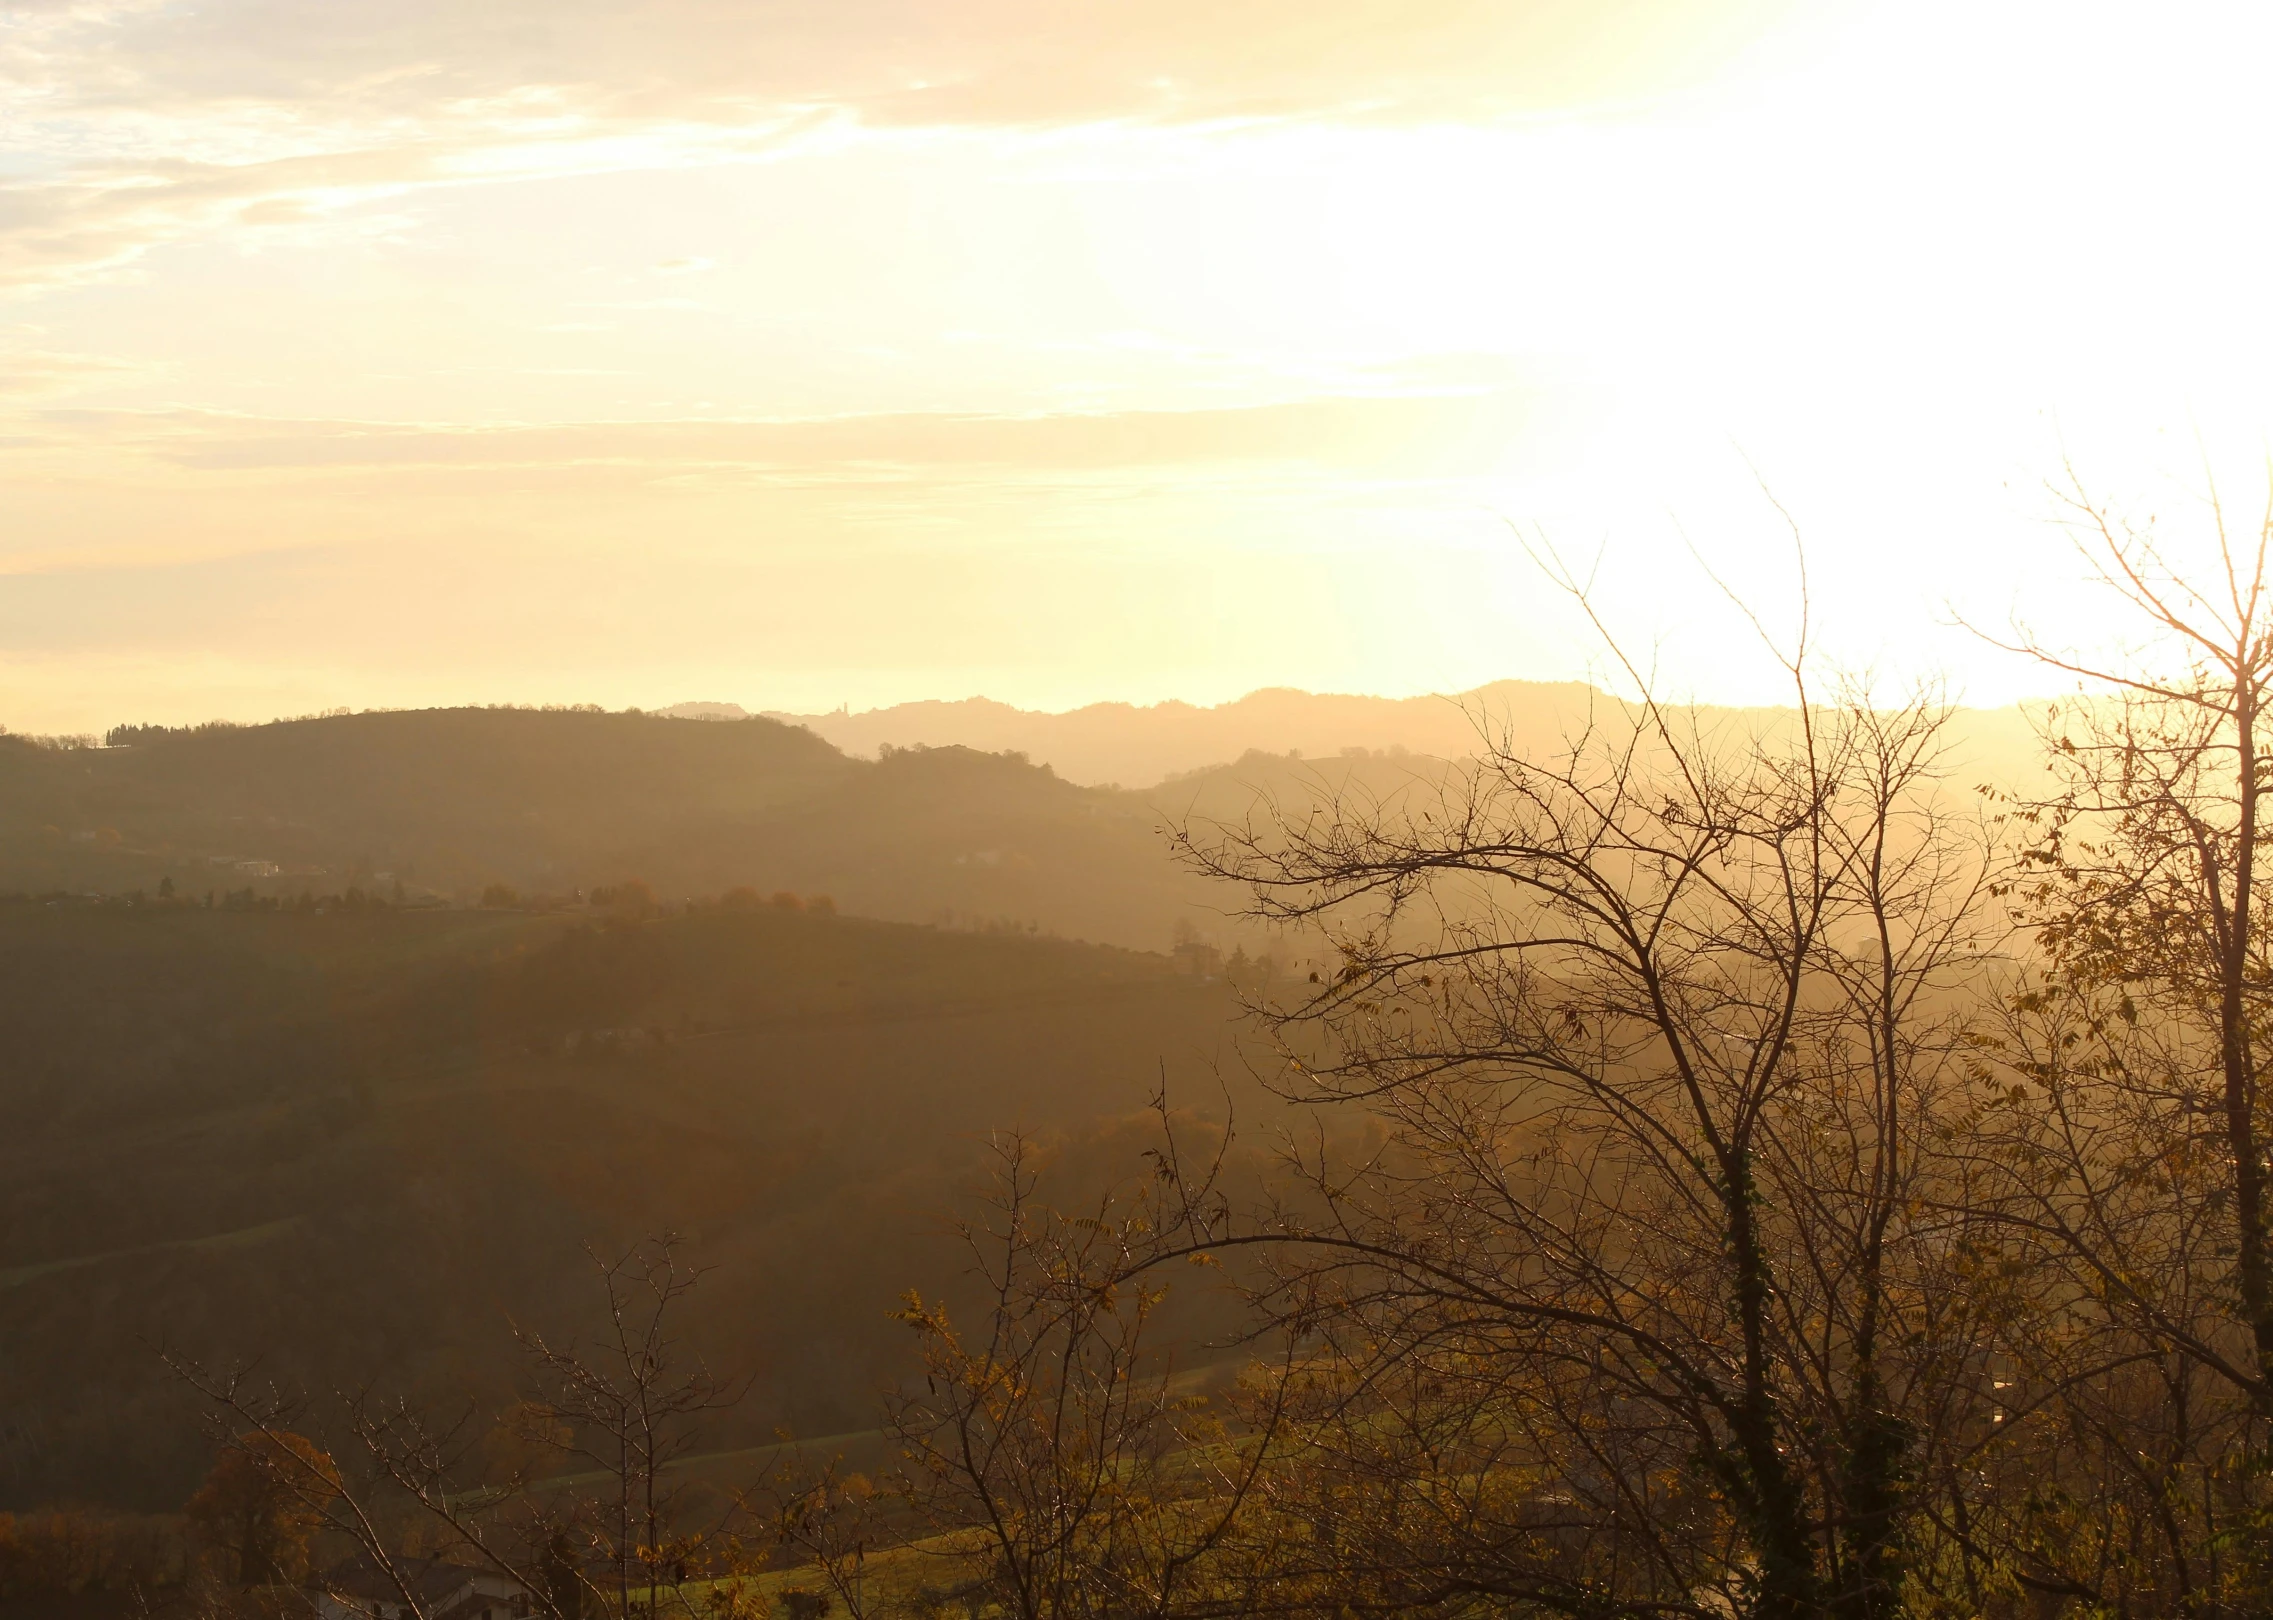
x=811, y=386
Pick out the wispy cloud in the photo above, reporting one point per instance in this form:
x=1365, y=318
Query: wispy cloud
x=1346, y=433
x=906, y=61
x=82, y=219
x=35, y=373
x=136, y=122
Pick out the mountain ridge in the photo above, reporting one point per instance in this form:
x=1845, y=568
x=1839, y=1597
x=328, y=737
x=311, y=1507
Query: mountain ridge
x=1140, y=746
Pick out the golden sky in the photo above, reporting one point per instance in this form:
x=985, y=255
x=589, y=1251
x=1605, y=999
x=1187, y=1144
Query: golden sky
x=799, y=352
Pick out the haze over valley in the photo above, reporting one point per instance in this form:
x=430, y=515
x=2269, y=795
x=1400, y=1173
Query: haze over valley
x=1313, y=810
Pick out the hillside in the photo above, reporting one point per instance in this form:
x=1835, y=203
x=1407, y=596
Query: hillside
x=442, y=804
x=354, y=1144
x=448, y=802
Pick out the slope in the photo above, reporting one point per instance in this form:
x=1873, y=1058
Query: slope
x=449, y=802
x=354, y=1146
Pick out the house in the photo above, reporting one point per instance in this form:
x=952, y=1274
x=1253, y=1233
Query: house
x=445, y=1591
x=1197, y=957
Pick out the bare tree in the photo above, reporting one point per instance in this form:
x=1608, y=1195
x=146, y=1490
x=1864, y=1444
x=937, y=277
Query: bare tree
x=1057, y=1465
x=1641, y=1305
x=2151, y=854
x=261, y=1423
x=631, y=1407
x=2134, y=1134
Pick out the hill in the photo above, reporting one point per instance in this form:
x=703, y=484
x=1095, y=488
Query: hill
x=1139, y=745
x=356, y=1138
x=447, y=802
x=443, y=804
x=355, y=1144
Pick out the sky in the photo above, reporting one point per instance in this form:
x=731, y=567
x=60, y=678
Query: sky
x=801, y=353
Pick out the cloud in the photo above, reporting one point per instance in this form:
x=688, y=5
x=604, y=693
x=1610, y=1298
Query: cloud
x=141, y=121
x=108, y=489
x=29, y=374
x=895, y=61
x=1389, y=431
x=86, y=218
x=101, y=215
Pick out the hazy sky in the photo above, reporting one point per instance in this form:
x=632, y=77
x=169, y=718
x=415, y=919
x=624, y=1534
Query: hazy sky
x=799, y=352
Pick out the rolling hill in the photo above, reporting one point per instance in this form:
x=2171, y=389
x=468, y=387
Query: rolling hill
x=448, y=802
x=353, y=1145
x=1138, y=745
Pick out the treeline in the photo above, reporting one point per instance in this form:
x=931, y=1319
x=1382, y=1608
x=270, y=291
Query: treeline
x=130, y=736
x=49, y=1558
x=634, y=898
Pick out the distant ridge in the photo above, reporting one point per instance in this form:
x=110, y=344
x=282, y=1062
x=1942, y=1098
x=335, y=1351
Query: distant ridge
x=1137, y=746
x=1140, y=746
